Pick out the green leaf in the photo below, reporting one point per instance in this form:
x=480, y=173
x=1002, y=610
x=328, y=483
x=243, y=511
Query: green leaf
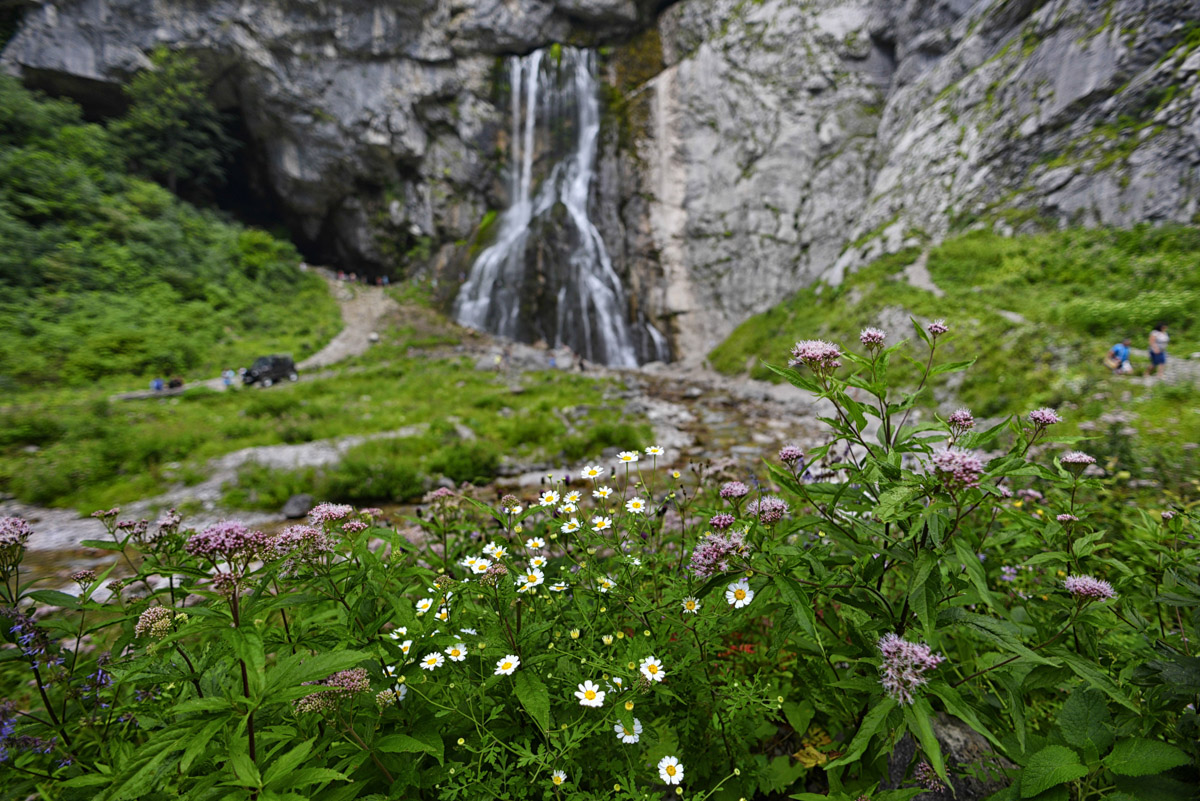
x=1097, y=679
x=55, y=598
x=958, y=707
x=307, y=776
x=951, y=367
x=792, y=594
x=919, y=592
x=1137, y=756
x=245, y=769
x=974, y=571
x=534, y=696
x=421, y=742
x=892, y=503
x=920, y=722
x=1053, y=765
x=872, y=722
x=799, y=715
x=1084, y=720
x=285, y=764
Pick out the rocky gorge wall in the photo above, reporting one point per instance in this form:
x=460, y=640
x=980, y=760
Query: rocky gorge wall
x=751, y=146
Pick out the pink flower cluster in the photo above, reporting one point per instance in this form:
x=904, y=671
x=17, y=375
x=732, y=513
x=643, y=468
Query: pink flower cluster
x=957, y=468
x=734, y=489
x=904, y=666
x=927, y=777
x=1077, y=457
x=790, y=453
x=155, y=623
x=769, y=509
x=343, y=684
x=872, y=338
x=937, y=328
x=712, y=554
x=1089, y=588
x=1044, y=417
x=14, y=532
x=227, y=540
x=817, y=355
x=329, y=513
x=1067, y=518
x=961, y=420
x=721, y=521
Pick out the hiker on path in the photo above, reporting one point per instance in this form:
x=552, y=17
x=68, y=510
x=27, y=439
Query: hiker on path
x=1158, y=350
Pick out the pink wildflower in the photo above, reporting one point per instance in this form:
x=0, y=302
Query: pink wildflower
x=14, y=533
x=817, y=355
x=768, y=509
x=904, y=666
x=790, y=453
x=937, y=328
x=872, y=338
x=713, y=553
x=734, y=489
x=226, y=540
x=329, y=513
x=957, y=468
x=1044, y=417
x=961, y=421
x=721, y=521
x=1089, y=588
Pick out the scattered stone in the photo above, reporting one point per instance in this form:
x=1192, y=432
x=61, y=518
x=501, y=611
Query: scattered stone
x=298, y=506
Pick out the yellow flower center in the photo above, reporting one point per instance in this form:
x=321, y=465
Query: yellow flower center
x=739, y=594
x=670, y=770
x=506, y=666
x=589, y=694
x=629, y=706
x=653, y=669
x=558, y=780
x=627, y=731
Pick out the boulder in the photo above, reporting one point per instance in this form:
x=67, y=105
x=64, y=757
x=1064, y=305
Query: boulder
x=298, y=506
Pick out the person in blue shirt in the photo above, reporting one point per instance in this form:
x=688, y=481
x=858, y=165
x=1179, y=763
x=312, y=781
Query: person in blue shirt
x=1118, y=357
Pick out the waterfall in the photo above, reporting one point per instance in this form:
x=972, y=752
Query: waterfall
x=546, y=274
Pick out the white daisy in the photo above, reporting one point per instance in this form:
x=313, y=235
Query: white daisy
x=600, y=523
x=443, y=614
x=629, y=736
x=468, y=631
x=605, y=584
x=424, y=605
x=635, y=562
x=537, y=561
x=568, y=509
x=654, y=450
x=570, y=527
x=401, y=693
x=628, y=457
x=670, y=770
x=507, y=665
x=652, y=669
x=592, y=472
x=480, y=567
x=399, y=632
x=602, y=492
x=391, y=670
x=559, y=586
x=739, y=593
x=457, y=652
x=469, y=562
x=549, y=498
x=513, y=510
x=432, y=661
x=636, y=506
x=691, y=605
x=590, y=694
x=558, y=777
x=572, y=497
x=496, y=551
x=535, y=543
x=406, y=646
x=533, y=577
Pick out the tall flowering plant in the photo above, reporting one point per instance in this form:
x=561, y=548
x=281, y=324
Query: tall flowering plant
x=627, y=632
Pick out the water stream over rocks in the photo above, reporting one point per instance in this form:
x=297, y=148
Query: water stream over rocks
x=547, y=275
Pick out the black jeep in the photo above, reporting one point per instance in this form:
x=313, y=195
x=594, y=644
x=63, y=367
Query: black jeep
x=266, y=370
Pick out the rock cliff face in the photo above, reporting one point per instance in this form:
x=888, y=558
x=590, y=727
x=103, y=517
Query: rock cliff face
x=752, y=146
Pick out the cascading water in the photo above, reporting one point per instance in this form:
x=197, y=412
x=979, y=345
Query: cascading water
x=547, y=275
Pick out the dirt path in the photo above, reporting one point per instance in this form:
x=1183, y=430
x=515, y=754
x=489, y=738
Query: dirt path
x=363, y=310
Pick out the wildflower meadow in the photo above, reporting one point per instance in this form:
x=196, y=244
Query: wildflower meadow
x=636, y=630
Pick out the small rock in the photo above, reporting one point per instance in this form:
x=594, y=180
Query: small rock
x=298, y=506
x=975, y=769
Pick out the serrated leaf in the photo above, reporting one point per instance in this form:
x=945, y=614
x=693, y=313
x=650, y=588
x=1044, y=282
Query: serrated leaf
x=1137, y=756
x=285, y=764
x=534, y=696
x=1053, y=765
x=794, y=596
x=892, y=502
x=1084, y=719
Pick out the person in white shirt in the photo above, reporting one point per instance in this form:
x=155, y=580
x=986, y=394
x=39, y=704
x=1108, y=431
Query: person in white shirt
x=1158, y=350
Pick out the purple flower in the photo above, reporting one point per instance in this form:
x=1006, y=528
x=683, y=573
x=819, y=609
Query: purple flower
x=1031, y=495
x=1044, y=417
x=1066, y=518
x=734, y=489
x=958, y=469
x=937, y=328
x=1076, y=461
x=927, y=777
x=340, y=685
x=227, y=540
x=768, y=509
x=14, y=533
x=904, y=666
x=1168, y=516
x=154, y=623
x=1008, y=573
x=721, y=521
x=354, y=527
x=83, y=578
x=961, y=421
x=817, y=355
x=329, y=513
x=712, y=554
x=790, y=453
x=1089, y=588
x=872, y=338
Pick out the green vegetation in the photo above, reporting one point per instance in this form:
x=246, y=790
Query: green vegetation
x=105, y=277
x=89, y=452
x=1075, y=293
x=172, y=131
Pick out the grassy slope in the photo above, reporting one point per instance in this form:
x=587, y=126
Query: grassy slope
x=1078, y=291
x=108, y=278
